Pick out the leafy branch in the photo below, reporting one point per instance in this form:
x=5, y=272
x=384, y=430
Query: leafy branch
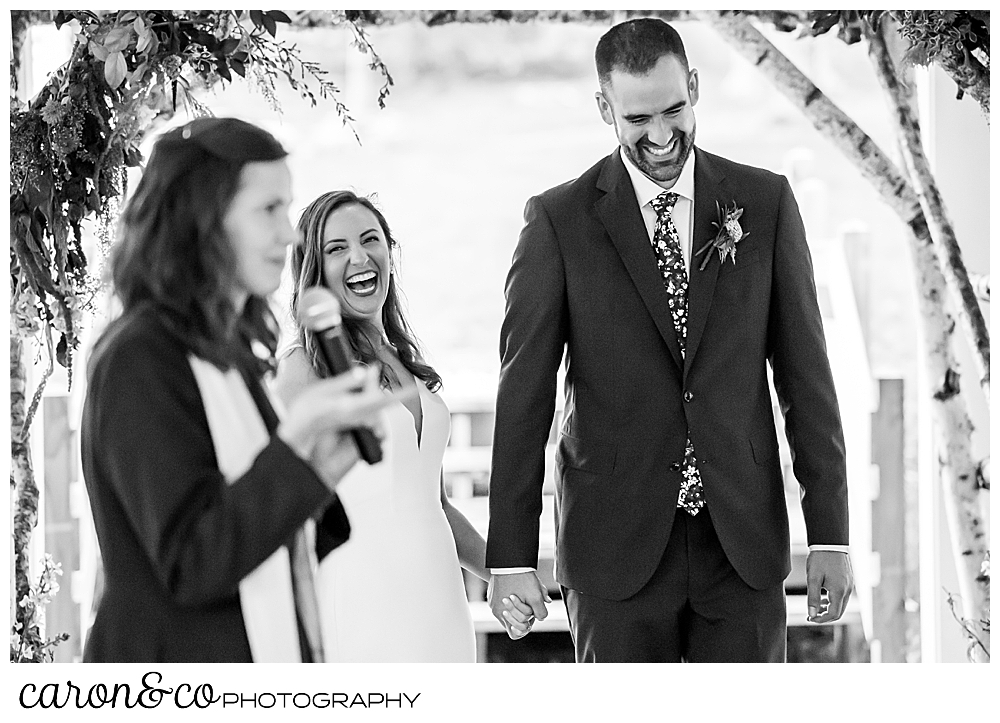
x=28, y=643
x=283, y=60
x=362, y=43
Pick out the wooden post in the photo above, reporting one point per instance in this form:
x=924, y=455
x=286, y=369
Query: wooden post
x=857, y=250
x=888, y=524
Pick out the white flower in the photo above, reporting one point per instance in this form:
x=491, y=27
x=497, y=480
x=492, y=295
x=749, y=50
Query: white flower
x=728, y=235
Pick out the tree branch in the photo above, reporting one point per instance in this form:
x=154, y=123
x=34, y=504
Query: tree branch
x=22, y=477
x=942, y=232
x=952, y=424
x=875, y=166
x=433, y=18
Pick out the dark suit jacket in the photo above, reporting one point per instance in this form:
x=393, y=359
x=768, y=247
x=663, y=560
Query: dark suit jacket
x=584, y=281
x=175, y=538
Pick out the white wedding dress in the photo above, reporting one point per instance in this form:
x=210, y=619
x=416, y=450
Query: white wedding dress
x=394, y=591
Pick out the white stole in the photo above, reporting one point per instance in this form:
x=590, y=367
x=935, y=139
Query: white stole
x=239, y=434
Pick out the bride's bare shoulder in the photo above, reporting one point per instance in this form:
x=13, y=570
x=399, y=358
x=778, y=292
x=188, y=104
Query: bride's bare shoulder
x=294, y=374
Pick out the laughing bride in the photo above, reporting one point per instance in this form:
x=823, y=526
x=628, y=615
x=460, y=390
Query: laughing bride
x=394, y=592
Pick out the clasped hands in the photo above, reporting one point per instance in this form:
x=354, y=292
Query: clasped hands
x=517, y=600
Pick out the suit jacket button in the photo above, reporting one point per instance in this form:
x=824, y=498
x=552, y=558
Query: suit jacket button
x=688, y=396
x=676, y=466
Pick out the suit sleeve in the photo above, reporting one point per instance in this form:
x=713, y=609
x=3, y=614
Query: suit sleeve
x=532, y=340
x=151, y=444
x=804, y=382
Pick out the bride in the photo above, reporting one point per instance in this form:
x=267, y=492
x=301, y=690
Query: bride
x=394, y=592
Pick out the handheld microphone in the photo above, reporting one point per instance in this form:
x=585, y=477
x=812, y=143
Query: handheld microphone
x=319, y=311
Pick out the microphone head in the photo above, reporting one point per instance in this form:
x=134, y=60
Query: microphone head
x=319, y=309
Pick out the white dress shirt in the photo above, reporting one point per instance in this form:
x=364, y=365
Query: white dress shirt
x=683, y=215
x=683, y=212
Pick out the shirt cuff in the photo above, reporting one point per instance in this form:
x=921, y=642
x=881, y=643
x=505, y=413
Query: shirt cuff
x=829, y=548
x=509, y=570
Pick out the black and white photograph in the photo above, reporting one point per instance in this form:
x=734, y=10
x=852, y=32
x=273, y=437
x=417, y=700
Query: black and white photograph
x=506, y=337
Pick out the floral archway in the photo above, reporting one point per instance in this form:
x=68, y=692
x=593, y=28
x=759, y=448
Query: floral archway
x=71, y=146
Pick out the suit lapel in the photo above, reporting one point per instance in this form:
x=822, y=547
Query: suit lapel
x=709, y=187
x=619, y=212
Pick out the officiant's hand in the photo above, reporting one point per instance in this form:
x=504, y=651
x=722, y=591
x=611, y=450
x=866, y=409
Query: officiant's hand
x=315, y=424
x=829, y=582
x=530, y=595
x=332, y=457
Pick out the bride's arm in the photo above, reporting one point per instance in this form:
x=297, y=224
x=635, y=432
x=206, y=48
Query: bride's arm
x=470, y=544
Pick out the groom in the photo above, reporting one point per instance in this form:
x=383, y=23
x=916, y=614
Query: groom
x=671, y=526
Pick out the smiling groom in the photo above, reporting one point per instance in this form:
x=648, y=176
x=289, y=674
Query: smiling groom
x=668, y=279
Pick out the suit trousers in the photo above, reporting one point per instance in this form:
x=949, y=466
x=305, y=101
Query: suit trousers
x=695, y=608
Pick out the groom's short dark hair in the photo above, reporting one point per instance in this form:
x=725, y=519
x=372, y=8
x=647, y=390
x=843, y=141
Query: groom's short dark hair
x=635, y=47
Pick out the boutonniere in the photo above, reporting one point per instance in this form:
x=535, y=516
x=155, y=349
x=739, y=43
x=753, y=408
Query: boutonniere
x=728, y=235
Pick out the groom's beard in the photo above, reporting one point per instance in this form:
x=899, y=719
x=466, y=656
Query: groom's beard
x=662, y=172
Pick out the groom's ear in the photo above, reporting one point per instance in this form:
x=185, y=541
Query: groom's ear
x=693, y=85
x=605, y=108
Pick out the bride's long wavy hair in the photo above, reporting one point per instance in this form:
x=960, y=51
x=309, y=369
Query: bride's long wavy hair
x=307, y=271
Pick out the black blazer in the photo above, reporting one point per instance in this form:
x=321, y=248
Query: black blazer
x=175, y=538
x=584, y=283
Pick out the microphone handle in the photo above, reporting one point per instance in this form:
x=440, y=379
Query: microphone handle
x=338, y=357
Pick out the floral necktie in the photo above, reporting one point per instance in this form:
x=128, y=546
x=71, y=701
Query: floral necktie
x=670, y=260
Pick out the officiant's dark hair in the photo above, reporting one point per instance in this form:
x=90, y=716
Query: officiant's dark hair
x=173, y=252
x=307, y=271
x=635, y=47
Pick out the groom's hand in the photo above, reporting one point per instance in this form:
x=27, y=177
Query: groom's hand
x=829, y=582
x=515, y=593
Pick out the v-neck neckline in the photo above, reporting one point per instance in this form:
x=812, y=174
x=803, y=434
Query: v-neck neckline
x=418, y=424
